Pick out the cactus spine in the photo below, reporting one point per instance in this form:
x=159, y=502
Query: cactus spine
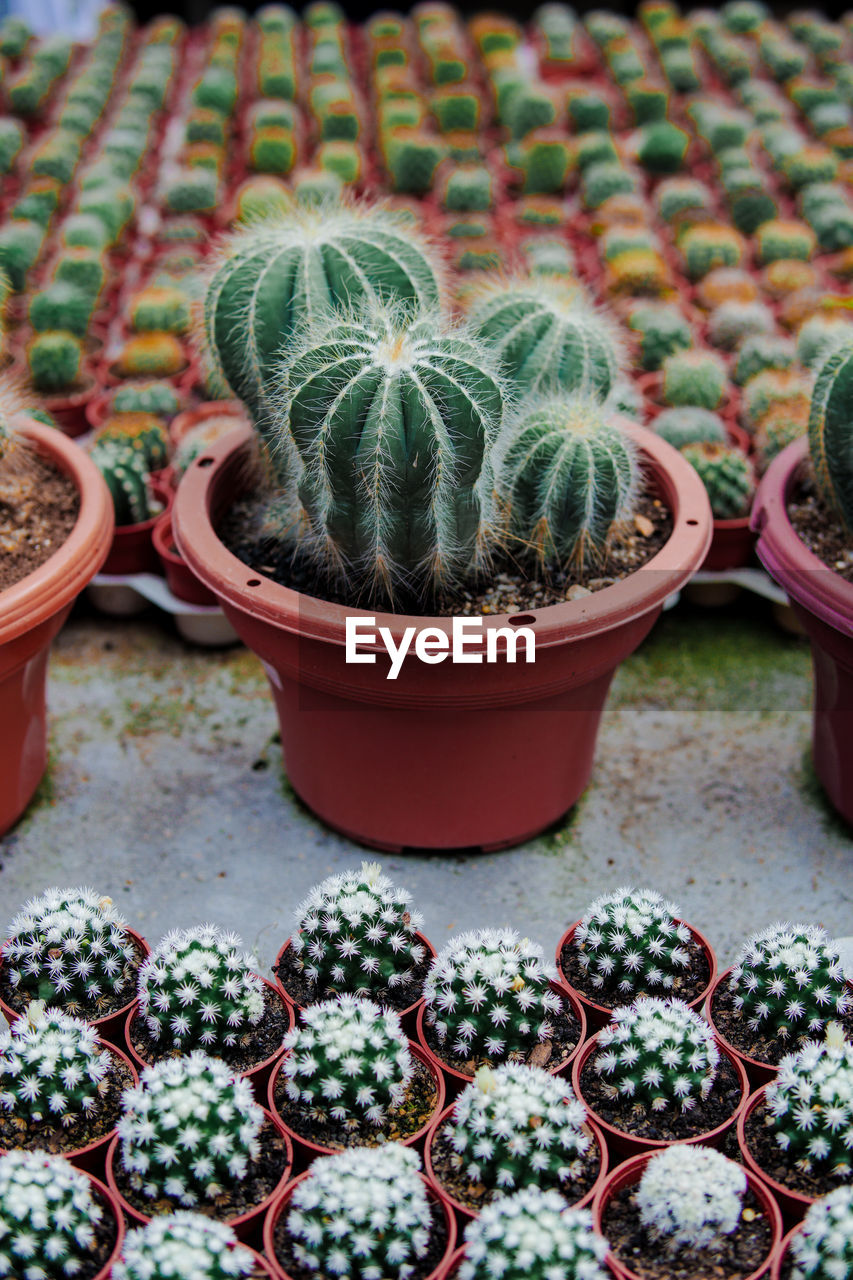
x=831, y=433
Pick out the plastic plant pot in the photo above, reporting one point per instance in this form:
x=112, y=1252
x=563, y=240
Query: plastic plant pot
x=68, y=409
x=258, y=1076
x=113, y=1208
x=794, y=1204
x=444, y=756
x=31, y=614
x=132, y=549
x=629, y=1174
x=598, y=1015
x=732, y=545
x=780, y=1253
x=622, y=1145
x=280, y=1205
x=823, y=603
x=463, y=1212
x=182, y=583
x=186, y=421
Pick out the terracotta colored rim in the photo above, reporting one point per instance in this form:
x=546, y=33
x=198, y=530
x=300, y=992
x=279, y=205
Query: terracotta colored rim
x=457, y=1077
x=189, y=419
x=402, y=1013
x=249, y=1074
x=307, y=616
x=455, y=1262
x=114, y=1207
x=316, y=1149
x=620, y=1140
x=781, y=1253
x=794, y=1203
x=786, y=557
x=758, y=1071
x=243, y=1221
x=467, y=1214
x=283, y=1199
x=599, y=1015
x=625, y=1175
x=56, y=583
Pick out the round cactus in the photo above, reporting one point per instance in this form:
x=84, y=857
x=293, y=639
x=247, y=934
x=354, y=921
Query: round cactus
x=51, y=1069
x=763, y=351
x=773, y=388
x=681, y=198
x=629, y=941
x=657, y=1054
x=163, y=308
x=689, y=424
x=726, y=284
x=710, y=245
x=569, y=478
x=823, y=1247
x=662, y=330
x=731, y=323
x=690, y=1198
x=143, y=432
x=20, y=245
x=530, y=1234
x=694, y=378
x=157, y=355
x=48, y=1217
x=788, y=982
x=811, y=1106
x=820, y=335
x=159, y=398
x=126, y=472
x=183, y=1244
x=781, y=238
x=727, y=474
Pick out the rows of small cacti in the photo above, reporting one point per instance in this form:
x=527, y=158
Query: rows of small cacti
x=190, y=1129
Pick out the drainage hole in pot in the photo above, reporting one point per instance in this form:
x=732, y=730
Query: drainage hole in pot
x=521, y=619
x=692, y=521
x=253, y=582
x=205, y=462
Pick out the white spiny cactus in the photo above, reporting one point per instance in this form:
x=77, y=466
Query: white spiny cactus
x=658, y=1054
x=823, y=1247
x=630, y=940
x=811, y=1102
x=47, y=1217
x=532, y=1235
x=788, y=981
x=182, y=1246
x=690, y=1197
x=52, y=1068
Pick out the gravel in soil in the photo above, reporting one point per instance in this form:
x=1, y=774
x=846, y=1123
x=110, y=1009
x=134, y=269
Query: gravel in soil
x=284, y=1256
x=304, y=992
x=261, y=1041
x=244, y=530
x=769, y=1049
x=447, y=1167
x=88, y=1010
x=550, y=1054
x=687, y=985
x=761, y=1142
x=262, y=1178
x=105, y=1239
x=819, y=528
x=740, y=1254
x=38, y=509
x=719, y=1106
x=414, y=1112
x=19, y=1135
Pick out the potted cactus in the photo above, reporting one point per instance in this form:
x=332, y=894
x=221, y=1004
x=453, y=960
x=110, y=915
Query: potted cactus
x=426, y=530
x=187, y=1244
x=821, y=1246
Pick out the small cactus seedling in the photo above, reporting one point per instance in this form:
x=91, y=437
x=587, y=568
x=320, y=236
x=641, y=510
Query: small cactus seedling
x=356, y=933
x=348, y=1059
x=412, y=157
x=694, y=378
x=690, y=425
x=488, y=995
x=192, y=189
x=811, y=1105
x=661, y=147
x=183, y=1244
x=823, y=1247
x=52, y=1069
x=781, y=238
x=569, y=478
x=125, y=470
x=727, y=474
x=731, y=322
x=69, y=948
x=467, y=188
x=658, y=1055
x=772, y=388
x=532, y=1233
x=709, y=245
x=690, y=1198
x=764, y=351
x=662, y=329
x=517, y=1126
x=787, y=981
x=48, y=1217
x=188, y=1130
x=820, y=335
x=155, y=355
x=361, y=1214
x=160, y=308
x=630, y=941
x=197, y=989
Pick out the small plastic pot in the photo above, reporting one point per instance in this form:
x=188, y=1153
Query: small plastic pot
x=732, y=545
x=246, y=1226
x=186, y=421
x=629, y=1173
x=279, y=1206
x=456, y=1080
x=304, y=1150
x=180, y=579
x=132, y=550
x=258, y=1076
x=758, y=1072
x=780, y=1253
x=462, y=1211
x=598, y=1015
x=622, y=1145
x=794, y=1204
x=111, y=1204
x=68, y=409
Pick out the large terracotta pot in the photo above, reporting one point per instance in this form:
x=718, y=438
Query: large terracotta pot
x=449, y=755
x=823, y=602
x=32, y=613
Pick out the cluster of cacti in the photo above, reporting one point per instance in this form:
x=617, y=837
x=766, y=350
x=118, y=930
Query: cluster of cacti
x=532, y=1233
x=690, y=1198
x=182, y=1244
x=52, y=1069
x=188, y=1130
x=810, y=1104
x=197, y=989
x=823, y=1247
x=658, y=1055
x=630, y=941
x=348, y=1059
x=787, y=982
x=48, y=1217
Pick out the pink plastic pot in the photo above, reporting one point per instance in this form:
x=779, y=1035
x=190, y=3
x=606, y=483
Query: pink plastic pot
x=598, y=1015
x=113, y=1209
x=629, y=1173
x=462, y=1211
x=280, y=1206
x=132, y=549
x=792, y=1203
x=823, y=602
x=304, y=1150
x=758, y=1072
x=623, y=1145
x=780, y=1253
x=444, y=756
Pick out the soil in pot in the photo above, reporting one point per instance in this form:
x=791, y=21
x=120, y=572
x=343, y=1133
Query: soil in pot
x=720, y=1105
x=106, y=1233
x=760, y=1139
x=819, y=528
x=90, y=1010
x=742, y=1253
x=759, y=1045
x=418, y=1107
x=304, y=992
x=551, y=1054
x=261, y=1041
x=688, y=984
x=449, y=1173
x=60, y=1140
x=38, y=509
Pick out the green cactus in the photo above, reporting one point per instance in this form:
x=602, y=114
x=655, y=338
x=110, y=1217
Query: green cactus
x=829, y=433
x=529, y=1234
x=631, y=941
x=20, y=245
x=216, y=90
x=788, y=982
x=52, y=1069
x=37, y=204
x=690, y=1198
x=548, y=335
x=595, y=147
x=191, y=190
x=57, y=156
x=821, y=334
x=11, y=141
x=61, y=306
x=15, y=35
x=784, y=238
x=54, y=360
x=778, y=428
x=48, y=1217
x=694, y=377
x=569, y=478
x=126, y=473
x=155, y=355
x=317, y=188
x=730, y=323
x=544, y=256
x=112, y=202
x=143, y=432
x=810, y=164
x=662, y=329
x=710, y=245
x=467, y=188
x=82, y=269
x=823, y=1247
x=811, y=1112
x=183, y=1244
x=412, y=157
x=262, y=197
x=160, y=308
x=457, y=109
x=772, y=388
x=204, y=125
x=690, y=425
x=763, y=351
x=588, y=109
x=658, y=1055
x=272, y=150
x=543, y=163
x=600, y=182
x=677, y=197
x=662, y=147
x=159, y=398
x=728, y=476
x=344, y=159
x=530, y=106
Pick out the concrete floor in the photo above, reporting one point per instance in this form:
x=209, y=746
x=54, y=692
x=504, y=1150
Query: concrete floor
x=165, y=790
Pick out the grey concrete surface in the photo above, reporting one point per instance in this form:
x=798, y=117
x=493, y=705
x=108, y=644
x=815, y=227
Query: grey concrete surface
x=165, y=790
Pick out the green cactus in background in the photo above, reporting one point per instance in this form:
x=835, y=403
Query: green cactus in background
x=772, y=388
x=81, y=268
x=763, y=351
x=733, y=321
x=275, y=276
x=830, y=423
x=662, y=329
x=156, y=355
x=689, y=424
x=15, y=35
x=595, y=147
x=728, y=476
x=778, y=428
x=160, y=308
x=588, y=109
x=532, y=1233
x=811, y=1106
x=272, y=150
x=11, y=141
x=631, y=941
x=543, y=163
x=54, y=360
x=820, y=335
x=61, y=306
x=204, y=125
x=141, y=431
x=810, y=164
x=657, y=1054
x=662, y=147
x=48, y=1217
x=412, y=157
x=314, y=188
x=38, y=203
x=547, y=335
x=467, y=188
x=20, y=245
x=694, y=377
x=527, y=107
x=57, y=156
x=183, y=1244
x=158, y=398
x=677, y=197
x=544, y=256
x=262, y=197
x=710, y=245
x=344, y=159
x=600, y=182
x=126, y=472
x=456, y=109
x=52, y=1069
x=784, y=238
x=191, y=190
x=112, y=202
x=569, y=478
